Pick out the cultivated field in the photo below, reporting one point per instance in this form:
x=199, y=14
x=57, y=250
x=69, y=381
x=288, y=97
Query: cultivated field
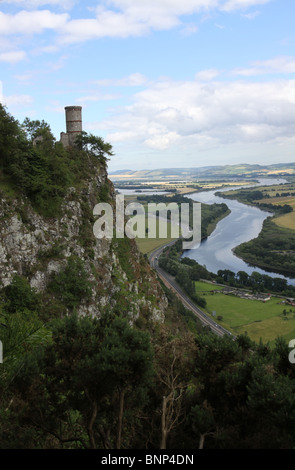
x=258, y=319
x=146, y=244
x=286, y=220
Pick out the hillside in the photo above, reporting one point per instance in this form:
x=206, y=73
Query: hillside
x=40, y=243
x=97, y=353
x=241, y=170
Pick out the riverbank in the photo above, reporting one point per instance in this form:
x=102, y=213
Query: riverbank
x=244, y=224
x=274, y=248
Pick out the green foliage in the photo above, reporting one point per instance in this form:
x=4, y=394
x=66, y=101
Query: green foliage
x=88, y=367
x=99, y=383
x=43, y=169
x=95, y=145
x=21, y=334
x=270, y=250
x=19, y=296
x=126, y=355
x=123, y=250
x=104, y=193
x=35, y=128
x=71, y=285
x=10, y=137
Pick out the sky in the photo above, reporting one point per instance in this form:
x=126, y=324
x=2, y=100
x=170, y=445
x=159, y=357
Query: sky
x=169, y=83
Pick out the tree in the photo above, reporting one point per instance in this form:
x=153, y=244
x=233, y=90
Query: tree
x=126, y=358
x=95, y=146
x=202, y=421
x=174, y=360
x=9, y=137
x=19, y=296
x=35, y=128
x=271, y=401
x=90, y=370
x=243, y=278
x=71, y=285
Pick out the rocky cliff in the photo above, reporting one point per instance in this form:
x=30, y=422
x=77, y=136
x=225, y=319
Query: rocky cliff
x=38, y=248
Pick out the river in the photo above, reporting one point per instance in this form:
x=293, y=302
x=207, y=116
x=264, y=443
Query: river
x=243, y=224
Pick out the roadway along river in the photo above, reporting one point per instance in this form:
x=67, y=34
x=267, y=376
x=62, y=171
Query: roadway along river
x=243, y=224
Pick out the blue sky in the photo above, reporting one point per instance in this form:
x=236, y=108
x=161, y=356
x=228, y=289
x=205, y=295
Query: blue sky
x=169, y=83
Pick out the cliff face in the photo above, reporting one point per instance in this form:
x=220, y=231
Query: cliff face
x=38, y=248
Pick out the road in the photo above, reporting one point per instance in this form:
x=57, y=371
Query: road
x=187, y=302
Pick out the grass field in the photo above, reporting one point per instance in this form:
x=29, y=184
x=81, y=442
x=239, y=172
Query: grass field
x=257, y=319
x=146, y=245
x=286, y=220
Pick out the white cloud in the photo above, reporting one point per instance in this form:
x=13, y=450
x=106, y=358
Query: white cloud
x=206, y=113
x=25, y=77
x=162, y=141
x=112, y=18
x=231, y=5
x=31, y=22
x=207, y=75
x=252, y=15
x=12, y=57
x=277, y=65
x=17, y=101
x=124, y=18
x=190, y=29
x=106, y=24
x=135, y=79
x=97, y=97
x=64, y=4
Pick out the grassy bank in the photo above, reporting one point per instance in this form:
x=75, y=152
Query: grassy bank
x=258, y=319
x=273, y=249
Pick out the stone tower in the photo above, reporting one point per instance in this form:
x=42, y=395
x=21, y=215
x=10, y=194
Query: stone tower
x=73, y=125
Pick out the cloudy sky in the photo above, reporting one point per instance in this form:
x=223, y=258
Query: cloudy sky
x=169, y=83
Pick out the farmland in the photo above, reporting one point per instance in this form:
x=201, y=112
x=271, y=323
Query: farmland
x=286, y=220
x=276, y=195
x=265, y=320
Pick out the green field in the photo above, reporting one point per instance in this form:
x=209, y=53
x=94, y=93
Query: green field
x=258, y=319
x=146, y=244
x=286, y=220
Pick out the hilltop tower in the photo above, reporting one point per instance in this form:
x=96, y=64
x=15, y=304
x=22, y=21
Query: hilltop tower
x=73, y=125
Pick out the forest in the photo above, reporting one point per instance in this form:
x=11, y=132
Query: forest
x=84, y=383
x=88, y=383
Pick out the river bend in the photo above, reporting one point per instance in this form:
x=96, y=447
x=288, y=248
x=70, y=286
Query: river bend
x=243, y=224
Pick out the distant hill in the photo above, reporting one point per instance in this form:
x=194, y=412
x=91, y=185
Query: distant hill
x=122, y=172
x=244, y=169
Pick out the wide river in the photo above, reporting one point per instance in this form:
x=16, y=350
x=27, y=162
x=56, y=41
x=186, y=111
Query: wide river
x=243, y=224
